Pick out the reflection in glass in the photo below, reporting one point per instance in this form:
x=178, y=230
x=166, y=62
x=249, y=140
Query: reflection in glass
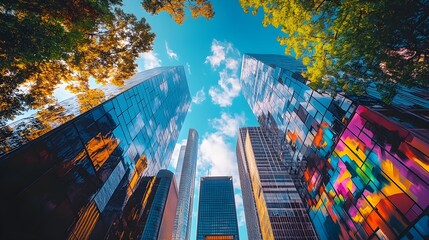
x=83, y=166
x=364, y=165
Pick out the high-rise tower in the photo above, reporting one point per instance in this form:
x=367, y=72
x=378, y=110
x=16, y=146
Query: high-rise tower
x=272, y=205
x=188, y=165
x=150, y=210
x=361, y=166
x=217, y=215
x=76, y=178
x=179, y=165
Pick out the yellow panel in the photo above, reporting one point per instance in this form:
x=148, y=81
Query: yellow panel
x=261, y=208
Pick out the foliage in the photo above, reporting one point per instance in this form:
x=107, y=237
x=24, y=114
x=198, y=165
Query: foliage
x=176, y=8
x=90, y=99
x=356, y=42
x=44, y=44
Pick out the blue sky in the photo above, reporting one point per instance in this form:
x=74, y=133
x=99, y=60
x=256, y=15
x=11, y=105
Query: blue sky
x=211, y=52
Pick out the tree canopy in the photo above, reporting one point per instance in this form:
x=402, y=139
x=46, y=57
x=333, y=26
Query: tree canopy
x=47, y=43
x=347, y=45
x=176, y=8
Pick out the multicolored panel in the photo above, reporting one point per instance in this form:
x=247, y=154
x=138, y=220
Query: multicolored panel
x=378, y=184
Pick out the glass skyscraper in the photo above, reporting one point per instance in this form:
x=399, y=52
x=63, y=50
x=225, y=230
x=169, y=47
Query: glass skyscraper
x=217, y=215
x=72, y=180
x=188, y=165
x=361, y=166
x=272, y=205
x=149, y=212
x=179, y=165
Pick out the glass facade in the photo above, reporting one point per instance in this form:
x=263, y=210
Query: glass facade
x=149, y=213
x=361, y=167
x=74, y=180
x=217, y=216
x=179, y=165
x=159, y=221
x=273, y=202
x=183, y=221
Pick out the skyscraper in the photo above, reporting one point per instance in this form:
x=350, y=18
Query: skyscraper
x=179, y=165
x=361, y=166
x=272, y=205
x=188, y=167
x=217, y=215
x=76, y=178
x=149, y=212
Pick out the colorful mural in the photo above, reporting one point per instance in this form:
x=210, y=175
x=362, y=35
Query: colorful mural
x=377, y=186
x=363, y=167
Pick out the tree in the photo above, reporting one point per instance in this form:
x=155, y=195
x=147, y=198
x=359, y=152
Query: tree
x=176, y=8
x=54, y=42
x=347, y=45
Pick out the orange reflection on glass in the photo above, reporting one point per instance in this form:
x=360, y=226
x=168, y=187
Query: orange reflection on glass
x=99, y=149
x=141, y=165
x=148, y=192
x=292, y=136
x=318, y=141
x=86, y=223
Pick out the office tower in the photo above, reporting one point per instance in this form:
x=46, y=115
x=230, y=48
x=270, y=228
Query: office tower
x=217, y=215
x=188, y=167
x=149, y=212
x=272, y=205
x=361, y=166
x=179, y=165
x=74, y=180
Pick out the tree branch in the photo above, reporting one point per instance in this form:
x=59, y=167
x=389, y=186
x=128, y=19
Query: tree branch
x=320, y=4
x=341, y=24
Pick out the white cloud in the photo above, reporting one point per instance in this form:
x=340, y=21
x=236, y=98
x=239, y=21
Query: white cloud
x=241, y=217
x=217, y=157
x=224, y=54
x=150, y=60
x=171, y=54
x=238, y=200
x=61, y=93
x=175, y=155
x=229, y=124
x=228, y=89
x=164, y=87
x=188, y=66
x=239, y=206
x=218, y=51
x=231, y=64
x=199, y=97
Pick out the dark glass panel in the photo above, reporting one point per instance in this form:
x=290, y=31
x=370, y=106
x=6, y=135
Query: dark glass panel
x=26, y=168
x=97, y=112
x=66, y=143
x=107, y=168
x=81, y=183
x=87, y=127
x=106, y=124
